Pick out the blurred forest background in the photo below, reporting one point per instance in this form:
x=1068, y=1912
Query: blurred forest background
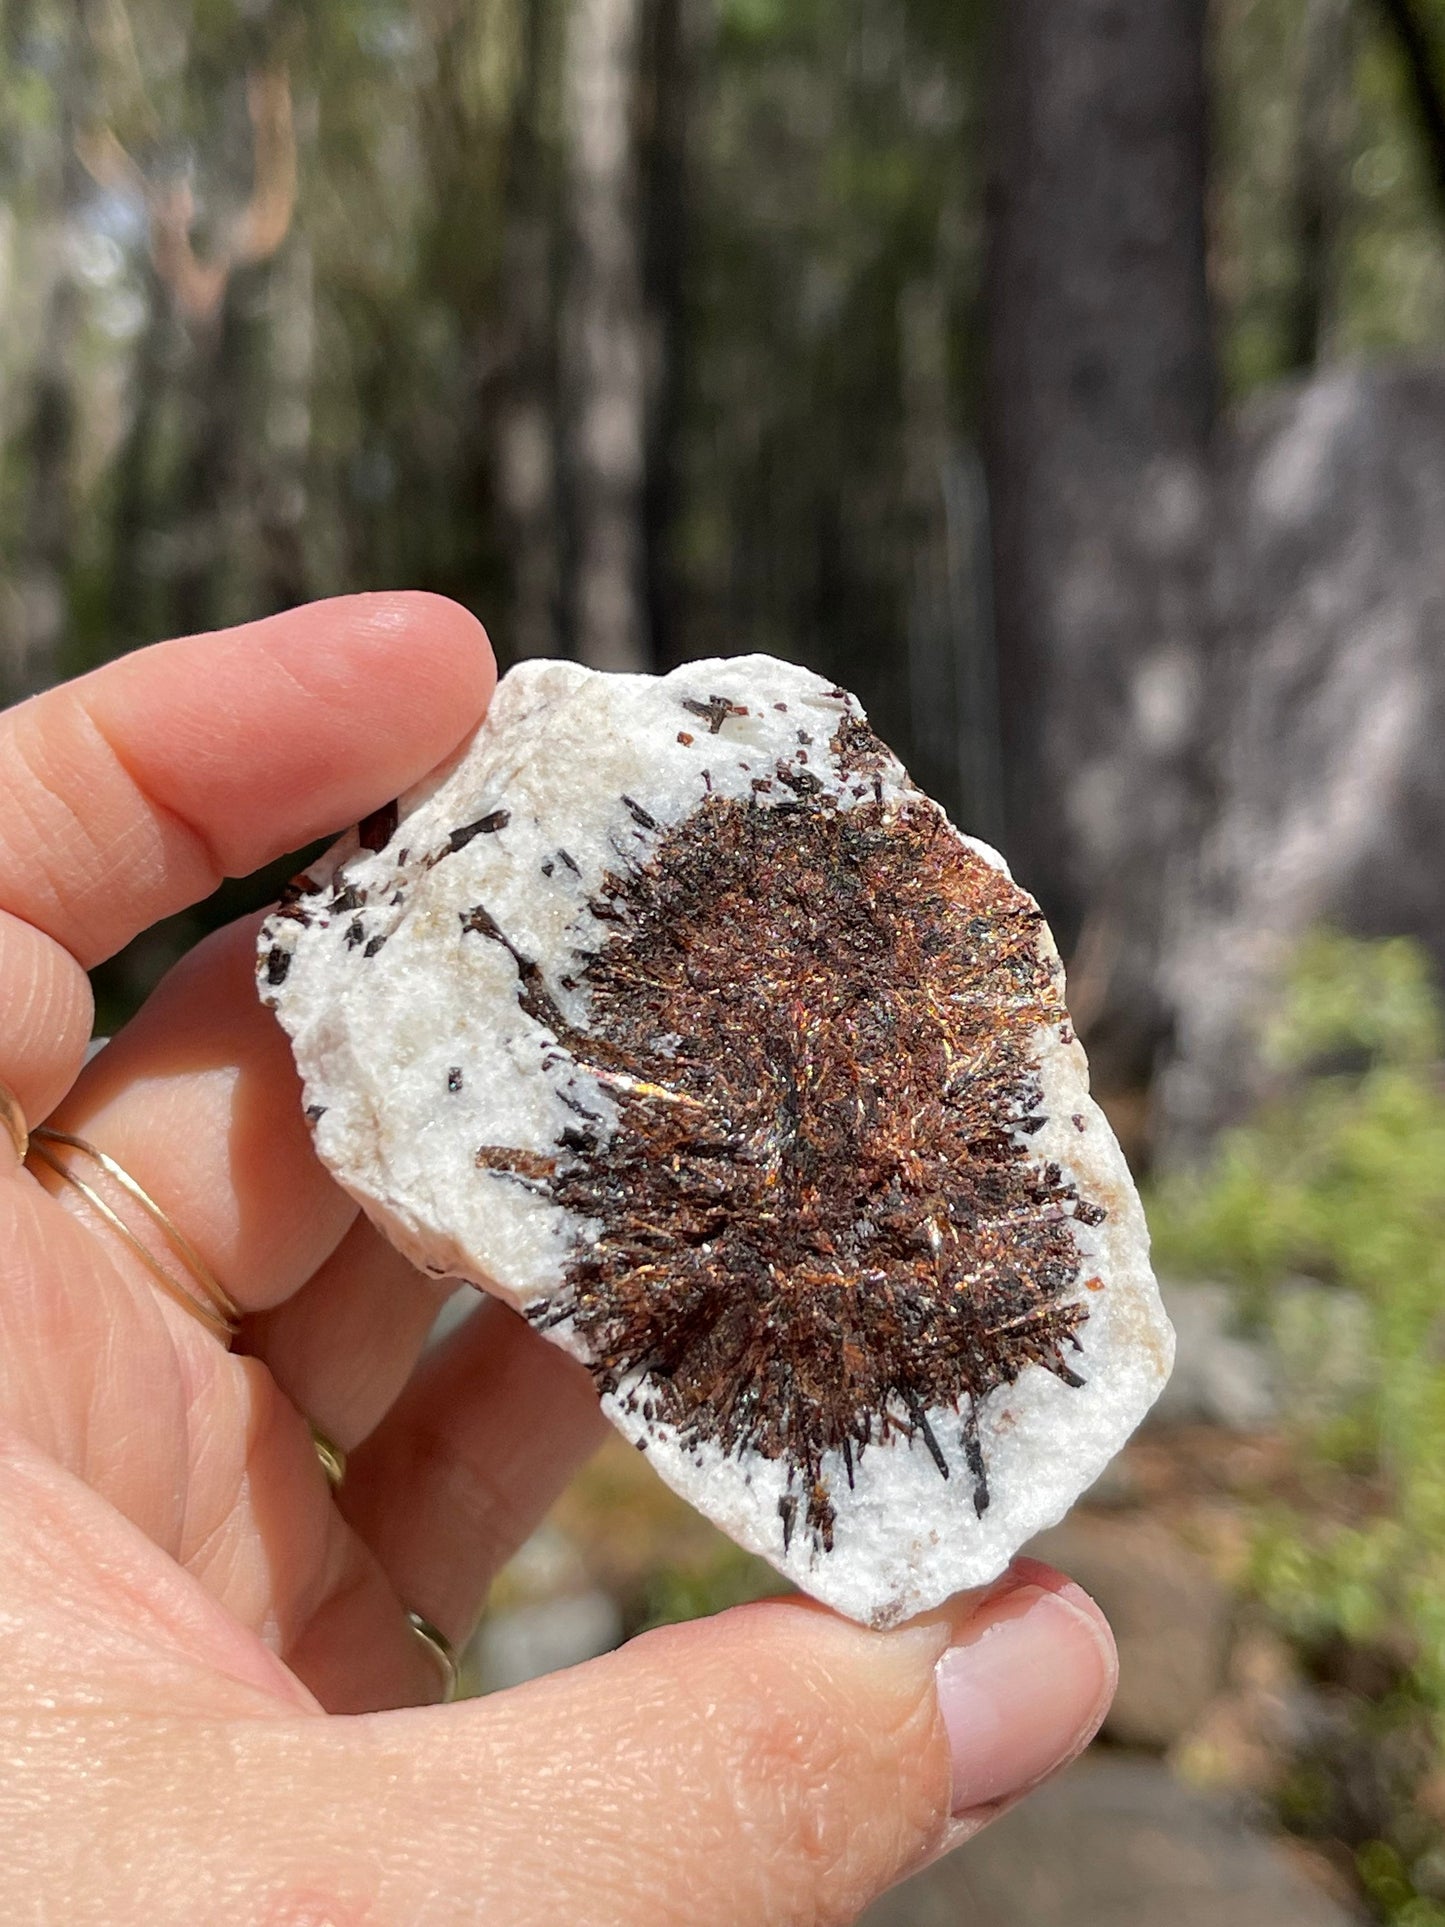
x=1065, y=376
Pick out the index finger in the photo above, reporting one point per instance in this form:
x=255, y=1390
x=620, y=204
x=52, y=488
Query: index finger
x=131, y=792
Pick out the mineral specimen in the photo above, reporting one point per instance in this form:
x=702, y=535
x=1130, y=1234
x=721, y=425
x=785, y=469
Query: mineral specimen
x=673, y=1014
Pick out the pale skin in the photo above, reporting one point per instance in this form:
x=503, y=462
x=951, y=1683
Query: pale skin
x=211, y=1705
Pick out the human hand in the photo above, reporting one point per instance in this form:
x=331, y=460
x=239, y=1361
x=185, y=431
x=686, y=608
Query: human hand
x=181, y=1591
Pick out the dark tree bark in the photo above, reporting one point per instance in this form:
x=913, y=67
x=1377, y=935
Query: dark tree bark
x=674, y=34
x=604, y=336
x=219, y=402
x=32, y=636
x=33, y=654
x=132, y=529
x=281, y=454
x=1099, y=408
x=1321, y=162
x=952, y=655
x=1425, y=67
x=526, y=411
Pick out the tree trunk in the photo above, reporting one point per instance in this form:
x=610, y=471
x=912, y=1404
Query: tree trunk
x=676, y=33
x=526, y=412
x=1099, y=407
x=33, y=630
x=132, y=591
x=952, y=653
x=283, y=457
x=32, y=654
x=218, y=409
x=1425, y=71
x=1321, y=164
x=604, y=336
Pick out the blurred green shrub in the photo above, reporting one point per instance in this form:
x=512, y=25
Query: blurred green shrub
x=730, y=1577
x=1341, y=1177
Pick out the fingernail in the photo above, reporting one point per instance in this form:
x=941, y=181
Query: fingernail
x=1023, y=1690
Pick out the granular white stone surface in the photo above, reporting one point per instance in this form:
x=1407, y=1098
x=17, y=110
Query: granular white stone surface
x=671, y=1013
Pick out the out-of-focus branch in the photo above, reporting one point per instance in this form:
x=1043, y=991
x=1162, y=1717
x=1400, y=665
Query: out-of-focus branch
x=1425, y=66
x=198, y=287
x=266, y=220
x=107, y=162
x=112, y=35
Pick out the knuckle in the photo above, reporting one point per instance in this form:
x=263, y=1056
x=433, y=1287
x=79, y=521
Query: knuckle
x=40, y=820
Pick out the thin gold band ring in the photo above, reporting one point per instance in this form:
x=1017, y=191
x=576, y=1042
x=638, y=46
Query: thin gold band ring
x=332, y=1457
x=13, y=1118
x=210, y=1302
x=441, y=1650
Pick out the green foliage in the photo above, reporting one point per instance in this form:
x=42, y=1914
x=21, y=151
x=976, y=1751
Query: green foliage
x=1388, y=1883
x=1342, y=1176
x=729, y=1577
x=1327, y=237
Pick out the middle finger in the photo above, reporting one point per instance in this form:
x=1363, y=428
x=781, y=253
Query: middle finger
x=343, y=1346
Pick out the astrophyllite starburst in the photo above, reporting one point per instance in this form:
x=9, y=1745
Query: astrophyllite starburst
x=673, y=1014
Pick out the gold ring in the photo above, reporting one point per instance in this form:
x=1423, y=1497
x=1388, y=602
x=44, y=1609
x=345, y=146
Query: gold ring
x=333, y=1459
x=214, y=1306
x=441, y=1650
x=13, y=1118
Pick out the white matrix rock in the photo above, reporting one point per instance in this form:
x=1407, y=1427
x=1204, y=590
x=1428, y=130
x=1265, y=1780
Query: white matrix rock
x=671, y=1013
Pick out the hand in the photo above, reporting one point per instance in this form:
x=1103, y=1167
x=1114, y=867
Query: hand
x=182, y=1594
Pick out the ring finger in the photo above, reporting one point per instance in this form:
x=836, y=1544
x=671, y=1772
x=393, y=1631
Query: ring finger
x=197, y=1098
x=461, y=1470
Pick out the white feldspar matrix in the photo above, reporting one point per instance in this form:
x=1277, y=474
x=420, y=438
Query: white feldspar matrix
x=673, y=1014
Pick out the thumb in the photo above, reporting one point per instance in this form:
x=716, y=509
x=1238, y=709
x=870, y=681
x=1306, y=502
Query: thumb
x=773, y=1765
